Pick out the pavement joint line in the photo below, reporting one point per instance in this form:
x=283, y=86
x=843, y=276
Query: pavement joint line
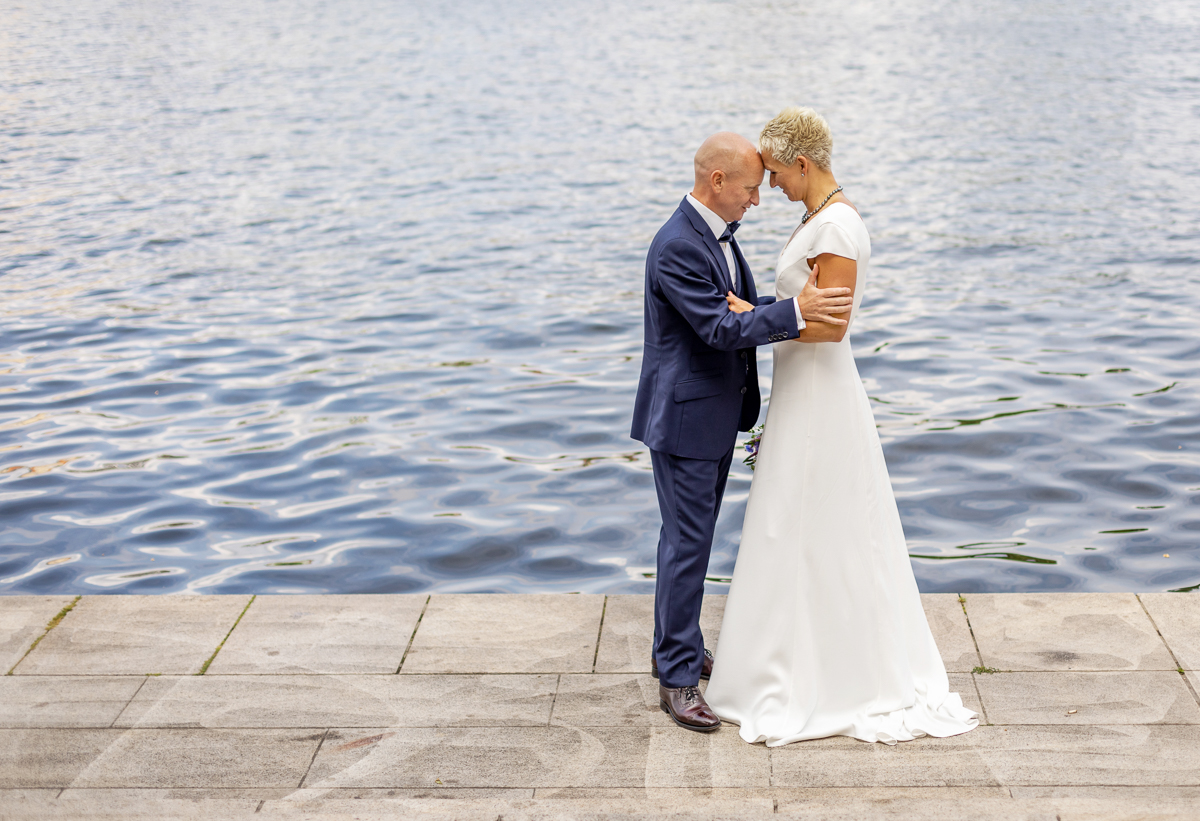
x=336, y=674
x=375, y=725
x=1178, y=667
x=599, y=633
x=554, y=700
x=308, y=769
x=54, y=622
x=413, y=637
x=979, y=695
x=342, y=674
x=131, y=698
x=962, y=602
x=450, y=788
x=204, y=667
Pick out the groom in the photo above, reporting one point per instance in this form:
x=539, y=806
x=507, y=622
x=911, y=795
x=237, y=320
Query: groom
x=698, y=388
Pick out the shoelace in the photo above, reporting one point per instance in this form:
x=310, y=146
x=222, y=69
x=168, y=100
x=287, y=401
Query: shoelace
x=690, y=693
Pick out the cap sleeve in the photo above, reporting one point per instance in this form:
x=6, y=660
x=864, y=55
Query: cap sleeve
x=831, y=238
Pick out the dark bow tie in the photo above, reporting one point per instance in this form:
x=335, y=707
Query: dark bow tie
x=729, y=229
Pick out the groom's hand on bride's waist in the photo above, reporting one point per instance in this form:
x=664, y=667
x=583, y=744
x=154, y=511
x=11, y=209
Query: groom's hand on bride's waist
x=820, y=304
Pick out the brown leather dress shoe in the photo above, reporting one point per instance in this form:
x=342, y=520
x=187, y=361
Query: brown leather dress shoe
x=705, y=671
x=688, y=708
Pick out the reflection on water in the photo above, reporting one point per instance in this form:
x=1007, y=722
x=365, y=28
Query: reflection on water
x=310, y=296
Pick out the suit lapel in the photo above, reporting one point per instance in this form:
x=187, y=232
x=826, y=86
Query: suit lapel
x=710, y=242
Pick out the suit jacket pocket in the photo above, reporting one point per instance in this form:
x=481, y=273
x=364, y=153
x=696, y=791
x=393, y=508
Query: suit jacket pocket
x=701, y=362
x=698, y=389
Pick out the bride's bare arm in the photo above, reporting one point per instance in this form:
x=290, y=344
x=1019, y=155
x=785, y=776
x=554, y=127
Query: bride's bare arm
x=829, y=304
x=832, y=272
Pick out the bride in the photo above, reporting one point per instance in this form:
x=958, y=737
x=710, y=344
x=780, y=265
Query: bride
x=824, y=633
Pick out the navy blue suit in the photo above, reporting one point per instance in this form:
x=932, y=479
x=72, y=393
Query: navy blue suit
x=698, y=387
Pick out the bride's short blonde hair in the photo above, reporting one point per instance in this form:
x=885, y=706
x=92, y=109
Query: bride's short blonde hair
x=798, y=131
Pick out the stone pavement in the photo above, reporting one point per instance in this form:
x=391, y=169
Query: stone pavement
x=541, y=707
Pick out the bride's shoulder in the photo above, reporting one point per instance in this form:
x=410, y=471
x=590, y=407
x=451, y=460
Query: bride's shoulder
x=846, y=217
x=847, y=213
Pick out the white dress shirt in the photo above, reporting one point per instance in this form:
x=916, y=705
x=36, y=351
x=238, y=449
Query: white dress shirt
x=718, y=226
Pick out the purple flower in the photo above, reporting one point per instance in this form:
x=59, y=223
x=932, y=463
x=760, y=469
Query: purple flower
x=752, y=447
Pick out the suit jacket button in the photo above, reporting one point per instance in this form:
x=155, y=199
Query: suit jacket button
x=743, y=389
x=743, y=354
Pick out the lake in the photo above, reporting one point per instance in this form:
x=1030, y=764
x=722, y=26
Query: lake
x=305, y=296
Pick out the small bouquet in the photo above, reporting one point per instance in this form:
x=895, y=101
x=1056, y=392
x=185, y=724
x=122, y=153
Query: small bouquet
x=752, y=446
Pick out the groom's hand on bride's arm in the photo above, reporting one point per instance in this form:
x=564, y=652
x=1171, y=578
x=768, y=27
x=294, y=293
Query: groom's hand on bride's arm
x=737, y=304
x=823, y=304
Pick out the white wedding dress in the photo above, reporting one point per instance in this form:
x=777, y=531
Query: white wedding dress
x=824, y=634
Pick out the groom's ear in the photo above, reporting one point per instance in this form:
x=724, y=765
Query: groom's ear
x=717, y=179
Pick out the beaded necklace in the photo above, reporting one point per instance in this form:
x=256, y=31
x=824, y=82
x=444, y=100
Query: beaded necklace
x=810, y=214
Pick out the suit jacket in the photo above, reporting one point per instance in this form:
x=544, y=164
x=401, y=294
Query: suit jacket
x=699, y=382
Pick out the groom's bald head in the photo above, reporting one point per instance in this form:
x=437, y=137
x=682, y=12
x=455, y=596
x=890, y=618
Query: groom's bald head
x=728, y=174
x=724, y=151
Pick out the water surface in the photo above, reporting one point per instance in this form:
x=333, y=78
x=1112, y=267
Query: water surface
x=307, y=296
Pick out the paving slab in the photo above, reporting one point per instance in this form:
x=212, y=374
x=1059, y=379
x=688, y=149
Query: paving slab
x=1066, y=631
x=22, y=620
x=703, y=809
x=628, y=632
x=1108, y=803
x=678, y=795
x=1015, y=755
x=309, y=796
x=321, y=634
x=536, y=757
x=964, y=685
x=702, y=805
x=1145, y=697
x=202, y=758
x=1092, y=755
x=719, y=759
x=150, y=803
x=845, y=762
x=482, y=757
x=347, y=701
x=924, y=803
x=948, y=623
x=1177, y=616
x=135, y=635
x=29, y=803
x=99, y=795
x=608, y=700
x=49, y=758
x=478, y=633
x=64, y=701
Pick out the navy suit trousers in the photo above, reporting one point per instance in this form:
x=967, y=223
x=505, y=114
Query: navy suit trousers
x=689, y=498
